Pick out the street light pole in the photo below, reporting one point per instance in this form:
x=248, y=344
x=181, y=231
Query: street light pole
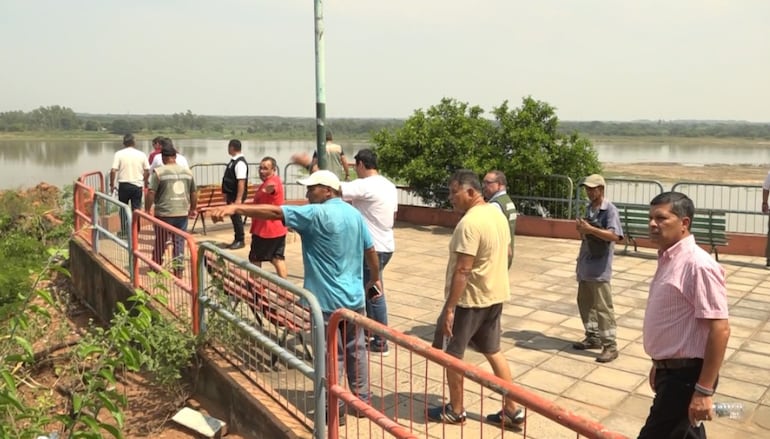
x=320, y=87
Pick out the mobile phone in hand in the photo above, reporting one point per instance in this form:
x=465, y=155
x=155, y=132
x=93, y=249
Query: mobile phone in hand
x=373, y=292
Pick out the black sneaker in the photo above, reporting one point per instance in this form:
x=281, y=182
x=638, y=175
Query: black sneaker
x=236, y=245
x=446, y=415
x=381, y=349
x=506, y=419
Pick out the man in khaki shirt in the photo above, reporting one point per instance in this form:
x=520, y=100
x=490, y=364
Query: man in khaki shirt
x=476, y=287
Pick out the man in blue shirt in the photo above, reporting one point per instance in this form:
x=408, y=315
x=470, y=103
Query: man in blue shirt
x=335, y=242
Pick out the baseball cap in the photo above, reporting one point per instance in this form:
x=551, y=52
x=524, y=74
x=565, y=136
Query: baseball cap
x=322, y=177
x=593, y=180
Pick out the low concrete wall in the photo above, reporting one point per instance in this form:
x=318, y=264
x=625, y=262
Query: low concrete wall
x=96, y=282
x=250, y=412
x=738, y=243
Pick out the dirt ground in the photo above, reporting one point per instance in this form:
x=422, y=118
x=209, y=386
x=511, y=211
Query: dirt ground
x=150, y=408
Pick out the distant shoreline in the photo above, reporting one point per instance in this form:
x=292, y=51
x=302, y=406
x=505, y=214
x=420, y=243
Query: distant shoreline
x=653, y=141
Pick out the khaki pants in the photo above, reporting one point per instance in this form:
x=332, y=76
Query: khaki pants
x=594, y=301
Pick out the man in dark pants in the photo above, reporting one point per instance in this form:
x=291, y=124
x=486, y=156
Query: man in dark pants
x=131, y=169
x=234, y=184
x=685, y=324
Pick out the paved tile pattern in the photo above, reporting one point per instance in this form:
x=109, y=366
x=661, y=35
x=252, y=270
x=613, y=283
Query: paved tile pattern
x=541, y=321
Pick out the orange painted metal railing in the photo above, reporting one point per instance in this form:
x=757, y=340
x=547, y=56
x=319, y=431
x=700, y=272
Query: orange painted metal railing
x=93, y=179
x=83, y=200
x=180, y=278
x=83, y=194
x=408, y=346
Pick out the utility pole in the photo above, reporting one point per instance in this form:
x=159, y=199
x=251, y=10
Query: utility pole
x=320, y=87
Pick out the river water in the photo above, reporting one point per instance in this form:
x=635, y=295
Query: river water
x=25, y=163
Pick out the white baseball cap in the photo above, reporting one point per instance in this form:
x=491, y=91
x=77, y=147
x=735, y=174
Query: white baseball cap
x=322, y=177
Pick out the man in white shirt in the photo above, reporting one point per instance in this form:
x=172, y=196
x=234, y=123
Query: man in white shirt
x=158, y=159
x=377, y=199
x=132, y=171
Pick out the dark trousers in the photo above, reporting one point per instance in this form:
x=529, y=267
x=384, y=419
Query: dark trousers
x=237, y=221
x=668, y=418
x=162, y=236
x=130, y=194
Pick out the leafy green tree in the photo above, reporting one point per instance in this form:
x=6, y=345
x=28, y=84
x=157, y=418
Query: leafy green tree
x=92, y=125
x=120, y=126
x=521, y=142
x=431, y=145
x=53, y=118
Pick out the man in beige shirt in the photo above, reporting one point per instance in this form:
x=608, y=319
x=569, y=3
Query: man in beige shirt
x=476, y=287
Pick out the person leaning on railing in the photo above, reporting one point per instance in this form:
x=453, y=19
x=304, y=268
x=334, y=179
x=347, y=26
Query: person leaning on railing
x=335, y=244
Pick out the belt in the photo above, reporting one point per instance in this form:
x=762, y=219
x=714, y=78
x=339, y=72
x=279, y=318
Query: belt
x=677, y=363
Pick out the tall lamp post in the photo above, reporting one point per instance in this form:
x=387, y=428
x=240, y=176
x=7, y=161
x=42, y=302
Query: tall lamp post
x=320, y=87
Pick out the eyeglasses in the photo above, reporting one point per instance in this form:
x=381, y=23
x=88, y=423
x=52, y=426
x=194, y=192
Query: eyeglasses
x=488, y=182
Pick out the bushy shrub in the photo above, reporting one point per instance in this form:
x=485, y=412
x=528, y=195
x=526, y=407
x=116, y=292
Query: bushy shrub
x=432, y=144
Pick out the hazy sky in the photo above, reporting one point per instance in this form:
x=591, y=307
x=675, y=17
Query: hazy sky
x=591, y=59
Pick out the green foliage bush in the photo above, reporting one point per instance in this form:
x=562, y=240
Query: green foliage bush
x=522, y=141
x=26, y=236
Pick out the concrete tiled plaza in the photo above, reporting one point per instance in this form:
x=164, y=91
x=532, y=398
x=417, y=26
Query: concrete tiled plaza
x=541, y=321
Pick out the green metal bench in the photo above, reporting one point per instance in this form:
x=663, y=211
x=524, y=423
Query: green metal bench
x=708, y=226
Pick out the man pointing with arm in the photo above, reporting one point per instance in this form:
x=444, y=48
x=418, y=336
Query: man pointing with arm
x=335, y=243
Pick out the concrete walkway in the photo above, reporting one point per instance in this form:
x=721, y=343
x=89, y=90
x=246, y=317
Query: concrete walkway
x=541, y=322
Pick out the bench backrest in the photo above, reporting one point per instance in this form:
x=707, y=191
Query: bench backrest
x=279, y=306
x=708, y=226
x=212, y=195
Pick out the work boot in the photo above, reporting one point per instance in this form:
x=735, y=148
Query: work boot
x=587, y=343
x=608, y=354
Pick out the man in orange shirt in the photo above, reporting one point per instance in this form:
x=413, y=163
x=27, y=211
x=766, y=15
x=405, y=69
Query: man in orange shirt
x=268, y=237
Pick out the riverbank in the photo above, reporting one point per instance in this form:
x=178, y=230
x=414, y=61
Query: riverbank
x=673, y=172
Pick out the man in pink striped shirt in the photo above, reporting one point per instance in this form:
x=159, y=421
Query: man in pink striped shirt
x=685, y=324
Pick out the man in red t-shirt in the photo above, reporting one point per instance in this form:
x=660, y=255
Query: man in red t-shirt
x=268, y=237
x=156, y=144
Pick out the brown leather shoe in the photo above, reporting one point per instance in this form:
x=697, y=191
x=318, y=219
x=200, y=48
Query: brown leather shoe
x=587, y=343
x=608, y=354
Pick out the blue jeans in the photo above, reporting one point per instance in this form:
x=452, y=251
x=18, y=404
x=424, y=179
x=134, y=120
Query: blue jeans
x=162, y=236
x=377, y=309
x=352, y=357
